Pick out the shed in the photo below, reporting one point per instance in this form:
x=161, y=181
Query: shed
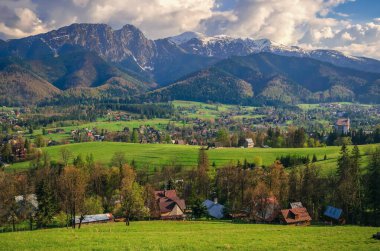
x=95, y=218
x=333, y=212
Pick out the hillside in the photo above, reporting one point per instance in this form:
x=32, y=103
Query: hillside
x=282, y=79
x=152, y=155
x=208, y=85
x=19, y=86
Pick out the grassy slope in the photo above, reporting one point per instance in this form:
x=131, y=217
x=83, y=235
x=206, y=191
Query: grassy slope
x=158, y=154
x=166, y=235
x=208, y=111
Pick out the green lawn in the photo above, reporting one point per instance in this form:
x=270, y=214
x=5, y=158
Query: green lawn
x=187, y=235
x=159, y=154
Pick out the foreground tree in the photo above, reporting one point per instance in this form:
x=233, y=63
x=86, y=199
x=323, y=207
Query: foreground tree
x=47, y=203
x=8, y=205
x=203, y=179
x=132, y=196
x=373, y=185
x=349, y=182
x=73, y=183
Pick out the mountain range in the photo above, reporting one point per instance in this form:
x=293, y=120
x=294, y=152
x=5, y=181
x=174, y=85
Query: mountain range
x=192, y=66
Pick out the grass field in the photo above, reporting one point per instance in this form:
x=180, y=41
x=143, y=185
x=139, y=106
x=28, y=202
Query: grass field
x=111, y=126
x=209, y=111
x=159, y=154
x=188, y=235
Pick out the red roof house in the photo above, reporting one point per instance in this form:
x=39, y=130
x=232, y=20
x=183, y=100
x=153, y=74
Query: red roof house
x=170, y=205
x=296, y=216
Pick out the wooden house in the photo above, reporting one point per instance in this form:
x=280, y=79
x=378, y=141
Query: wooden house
x=295, y=216
x=170, y=205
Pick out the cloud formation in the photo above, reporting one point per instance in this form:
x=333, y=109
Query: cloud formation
x=308, y=23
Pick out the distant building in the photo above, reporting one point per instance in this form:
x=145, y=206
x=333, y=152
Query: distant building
x=342, y=126
x=248, y=143
x=170, y=205
x=214, y=209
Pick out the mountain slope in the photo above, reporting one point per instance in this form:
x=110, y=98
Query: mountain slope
x=225, y=46
x=19, y=86
x=281, y=79
x=207, y=85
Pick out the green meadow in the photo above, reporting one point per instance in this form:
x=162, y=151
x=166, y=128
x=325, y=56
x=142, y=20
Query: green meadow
x=210, y=111
x=193, y=235
x=110, y=126
x=153, y=155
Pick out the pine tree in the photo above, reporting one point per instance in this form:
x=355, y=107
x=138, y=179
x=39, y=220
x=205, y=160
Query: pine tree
x=373, y=185
x=356, y=178
x=46, y=203
x=203, y=179
x=203, y=161
x=135, y=136
x=343, y=162
x=314, y=158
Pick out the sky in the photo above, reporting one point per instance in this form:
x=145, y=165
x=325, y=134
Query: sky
x=351, y=26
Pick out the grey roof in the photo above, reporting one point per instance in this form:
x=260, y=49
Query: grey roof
x=94, y=218
x=214, y=209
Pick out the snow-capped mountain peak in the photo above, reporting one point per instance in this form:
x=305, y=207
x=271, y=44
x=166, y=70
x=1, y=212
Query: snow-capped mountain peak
x=185, y=37
x=224, y=46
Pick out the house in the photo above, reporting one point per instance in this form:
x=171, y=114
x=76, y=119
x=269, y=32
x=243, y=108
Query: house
x=248, y=143
x=170, y=205
x=342, y=126
x=214, y=209
x=95, y=218
x=295, y=216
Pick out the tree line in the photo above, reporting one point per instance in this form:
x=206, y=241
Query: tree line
x=76, y=186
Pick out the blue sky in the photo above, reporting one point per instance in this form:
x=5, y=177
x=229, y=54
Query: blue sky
x=346, y=25
x=361, y=10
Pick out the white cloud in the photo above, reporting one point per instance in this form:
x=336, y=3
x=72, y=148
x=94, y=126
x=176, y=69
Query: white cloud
x=347, y=36
x=24, y=21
